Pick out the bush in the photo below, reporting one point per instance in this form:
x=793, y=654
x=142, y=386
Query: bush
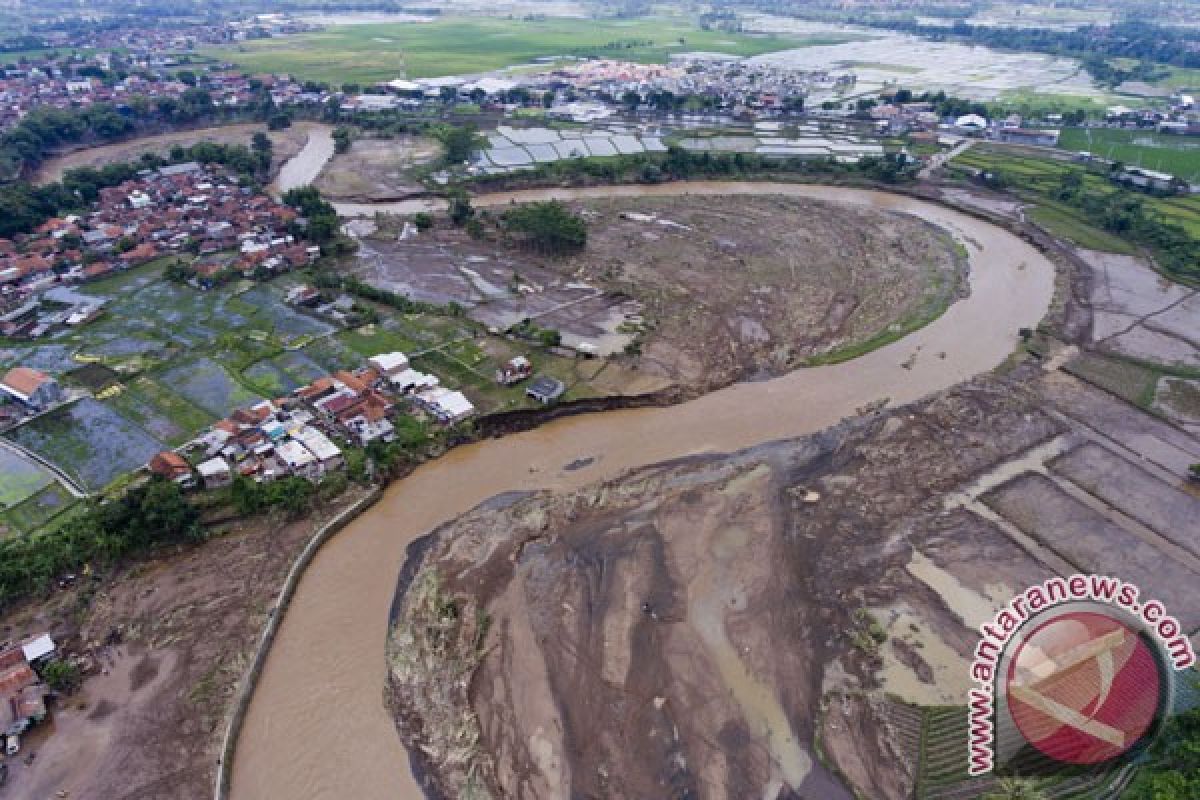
x=423, y=221
x=142, y=519
x=548, y=227
x=62, y=676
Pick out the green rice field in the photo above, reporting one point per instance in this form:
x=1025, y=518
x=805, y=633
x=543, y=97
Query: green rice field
x=1165, y=152
x=1036, y=179
x=455, y=46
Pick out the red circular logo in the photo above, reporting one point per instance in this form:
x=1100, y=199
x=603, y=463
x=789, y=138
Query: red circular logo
x=1083, y=688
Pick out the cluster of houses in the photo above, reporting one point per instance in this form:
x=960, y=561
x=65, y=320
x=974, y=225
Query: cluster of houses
x=79, y=80
x=22, y=692
x=296, y=435
x=181, y=208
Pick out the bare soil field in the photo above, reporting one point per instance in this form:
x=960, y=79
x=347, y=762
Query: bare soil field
x=702, y=624
x=710, y=290
x=168, y=641
x=378, y=169
x=287, y=143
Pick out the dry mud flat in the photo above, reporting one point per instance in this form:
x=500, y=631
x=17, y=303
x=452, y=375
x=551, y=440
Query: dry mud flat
x=716, y=289
x=378, y=169
x=170, y=641
x=685, y=630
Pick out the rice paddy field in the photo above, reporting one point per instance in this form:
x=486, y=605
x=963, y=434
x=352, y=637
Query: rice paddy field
x=20, y=478
x=1178, y=155
x=458, y=45
x=1036, y=178
x=89, y=440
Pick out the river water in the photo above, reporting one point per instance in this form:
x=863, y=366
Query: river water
x=317, y=727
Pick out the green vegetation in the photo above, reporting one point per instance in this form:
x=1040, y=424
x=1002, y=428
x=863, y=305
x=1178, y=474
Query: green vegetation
x=1178, y=155
x=1070, y=225
x=292, y=494
x=459, y=142
x=548, y=228
x=867, y=635
x=143, y=518
x=38, y=509
x=366, y=54
x=322, y=218
x=62, y=676
x=1172, y=768
x=1082, y=203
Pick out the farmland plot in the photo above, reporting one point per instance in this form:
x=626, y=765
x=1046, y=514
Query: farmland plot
x=209, y=386
x=90, y=441
x=20, y=478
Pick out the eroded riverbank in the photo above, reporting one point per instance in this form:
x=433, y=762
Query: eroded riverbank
x=317, y=726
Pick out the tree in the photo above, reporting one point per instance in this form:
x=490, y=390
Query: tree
x=548, y=100
x=423, y=220
x=548, y=227
x=341, y=139
x=460, y=207
x=459, y=142
x=62, y=676
x=260, y=143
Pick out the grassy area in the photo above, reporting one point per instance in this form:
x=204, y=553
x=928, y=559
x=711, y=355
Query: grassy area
x=20, y=478
x=1181, y=78
x=1036, y=178
x=1032, y=103
x=455, y=45
x=1065, y=223
x=1178, y=155
x=38, y=509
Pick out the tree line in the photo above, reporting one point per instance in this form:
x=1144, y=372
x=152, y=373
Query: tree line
x=144, y=518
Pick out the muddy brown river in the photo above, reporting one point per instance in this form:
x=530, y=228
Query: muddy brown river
x=317, y=727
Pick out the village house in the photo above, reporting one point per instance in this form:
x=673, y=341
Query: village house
x=22, y=693
x=514, y=371
x=215, y=473
x=32, y=388
x=545, y=389
x=173, y=467
x=445, y=405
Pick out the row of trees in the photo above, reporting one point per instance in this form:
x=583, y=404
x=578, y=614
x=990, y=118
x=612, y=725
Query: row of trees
x=144, y=518
x=44, y=130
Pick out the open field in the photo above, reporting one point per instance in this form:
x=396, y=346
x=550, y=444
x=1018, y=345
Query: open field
x=148, y=721
x=949, y=519
x=1178, y=155
x=20, y=478
x=378, y=169
x=707, y=290
x=455, y=45
x=1181, y=78
x=38, y=509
